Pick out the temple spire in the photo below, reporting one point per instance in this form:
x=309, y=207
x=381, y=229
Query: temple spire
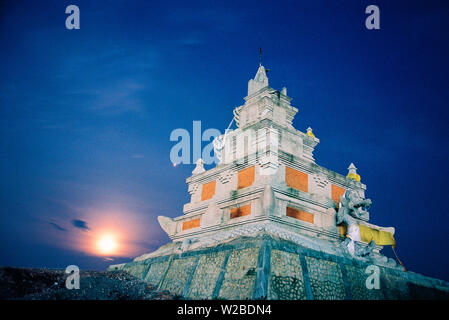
x=260, y=80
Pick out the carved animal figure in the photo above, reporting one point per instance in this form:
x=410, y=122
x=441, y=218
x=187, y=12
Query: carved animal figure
x=351, y=208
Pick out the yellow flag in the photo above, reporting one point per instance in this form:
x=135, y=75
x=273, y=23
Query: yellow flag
x=381, y=238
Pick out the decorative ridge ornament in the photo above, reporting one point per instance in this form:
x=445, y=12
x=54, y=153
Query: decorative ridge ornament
x=199, y=167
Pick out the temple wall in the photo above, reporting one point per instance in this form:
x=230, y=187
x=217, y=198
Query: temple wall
x=262, y=267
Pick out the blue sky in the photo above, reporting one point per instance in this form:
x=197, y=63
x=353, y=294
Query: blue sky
x=86, y=115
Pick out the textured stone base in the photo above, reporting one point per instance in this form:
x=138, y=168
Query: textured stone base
x=266, y=268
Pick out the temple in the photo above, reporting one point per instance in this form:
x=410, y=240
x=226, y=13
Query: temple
x=267, y=179
x=269, y=222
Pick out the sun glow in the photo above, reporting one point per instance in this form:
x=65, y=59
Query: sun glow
x=111, y=233
x=107, y=244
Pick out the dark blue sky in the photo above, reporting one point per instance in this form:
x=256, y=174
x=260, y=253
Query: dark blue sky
x=86, y=115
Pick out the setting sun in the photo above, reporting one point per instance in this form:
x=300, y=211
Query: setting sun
x=112, y=232
x=107, y=244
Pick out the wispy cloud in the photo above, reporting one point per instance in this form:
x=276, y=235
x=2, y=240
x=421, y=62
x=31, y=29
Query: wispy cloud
x=57, y=226
x=119, y=98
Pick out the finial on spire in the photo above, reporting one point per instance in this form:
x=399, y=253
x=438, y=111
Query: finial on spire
x=260, y=57
x=310, y=132
x=260, y=80
x=352, y=174
x=352, y=168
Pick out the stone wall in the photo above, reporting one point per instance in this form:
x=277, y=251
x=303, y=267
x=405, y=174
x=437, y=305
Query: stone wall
x=286, y=277
x=267, y=268
x=206, y=275
x=325, y=279
x=240, y=275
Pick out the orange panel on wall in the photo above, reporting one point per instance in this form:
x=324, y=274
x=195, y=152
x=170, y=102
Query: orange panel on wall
x=296, y=179
x=240, y=212
x=300, y=215
x=208, y=190
x=195, y=223
x=337, y=192
x=245, y=177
